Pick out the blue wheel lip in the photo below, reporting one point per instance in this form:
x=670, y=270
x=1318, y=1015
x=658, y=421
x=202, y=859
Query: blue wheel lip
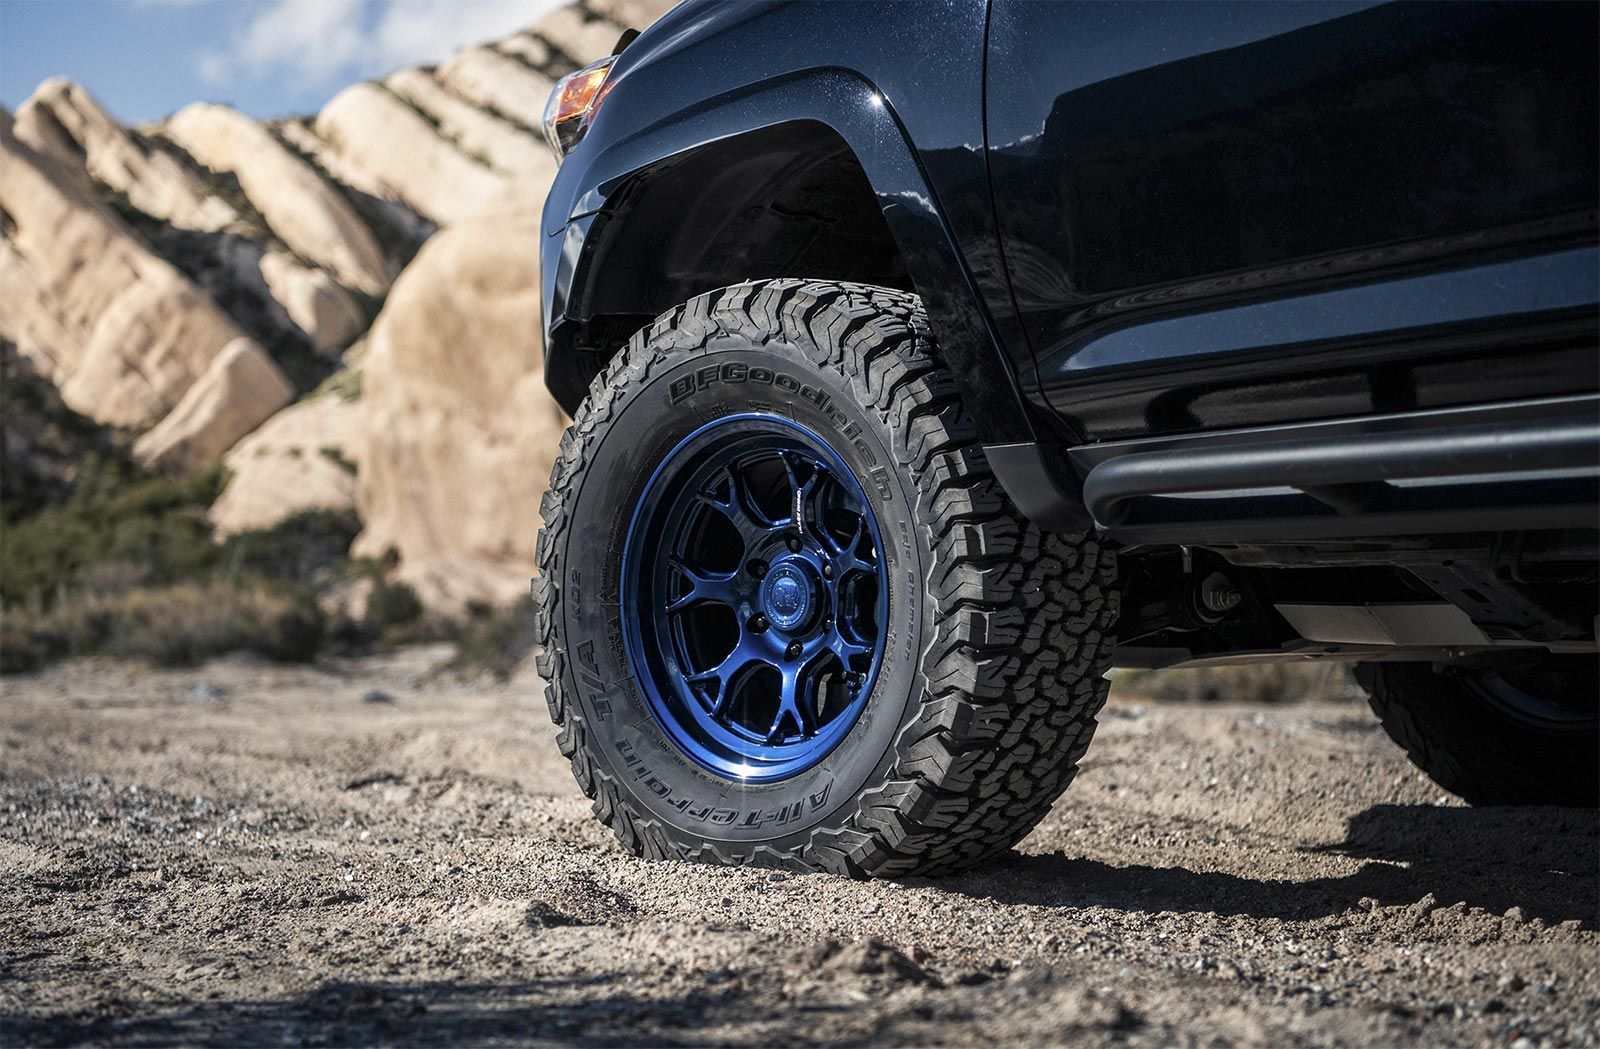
x=786, y=760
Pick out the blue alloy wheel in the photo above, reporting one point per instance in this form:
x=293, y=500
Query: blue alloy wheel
x=754, y=597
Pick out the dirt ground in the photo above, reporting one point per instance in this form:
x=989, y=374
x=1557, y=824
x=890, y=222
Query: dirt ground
x=369, y=852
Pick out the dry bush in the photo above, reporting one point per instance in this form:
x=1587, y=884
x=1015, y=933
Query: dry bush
x=1255, y=683
x=495, y=641
x=179, y=624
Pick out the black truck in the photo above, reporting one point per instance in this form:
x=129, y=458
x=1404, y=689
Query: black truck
x=928, y=359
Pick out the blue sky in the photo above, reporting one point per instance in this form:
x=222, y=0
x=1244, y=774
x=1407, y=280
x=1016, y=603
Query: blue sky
x=143, y=59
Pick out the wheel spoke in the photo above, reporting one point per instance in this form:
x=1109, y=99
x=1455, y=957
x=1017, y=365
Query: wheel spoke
x=847, y=553
x=800, y=492
x=704, y=586
x=845, y=648
x=794, y=485
x=721, y=676
x=738, y=506
x=793, y=705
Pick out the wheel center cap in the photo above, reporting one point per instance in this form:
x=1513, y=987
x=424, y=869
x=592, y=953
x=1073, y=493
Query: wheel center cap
x=787, y=596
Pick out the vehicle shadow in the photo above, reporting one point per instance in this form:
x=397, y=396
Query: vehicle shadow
x=547, y=1012
x=1545, y=861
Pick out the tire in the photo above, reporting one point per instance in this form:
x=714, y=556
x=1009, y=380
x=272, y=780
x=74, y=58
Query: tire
x=993, y=636
x=1527, y=736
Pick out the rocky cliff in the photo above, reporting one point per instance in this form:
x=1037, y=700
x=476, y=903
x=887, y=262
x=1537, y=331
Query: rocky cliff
x=341, y=307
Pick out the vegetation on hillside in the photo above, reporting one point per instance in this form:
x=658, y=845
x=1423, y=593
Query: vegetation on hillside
x=101, y=556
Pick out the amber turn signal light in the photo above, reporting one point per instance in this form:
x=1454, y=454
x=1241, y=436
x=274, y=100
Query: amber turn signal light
x=572, y=105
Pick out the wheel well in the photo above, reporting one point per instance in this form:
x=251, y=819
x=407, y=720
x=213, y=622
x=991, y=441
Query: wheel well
x=786, y=201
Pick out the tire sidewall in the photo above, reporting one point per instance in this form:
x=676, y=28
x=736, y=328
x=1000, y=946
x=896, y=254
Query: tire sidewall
x=1476, y=751
x=731, y=375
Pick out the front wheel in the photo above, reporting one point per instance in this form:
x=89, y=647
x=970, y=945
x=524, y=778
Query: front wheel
x=788, y=615
x=1523, y=733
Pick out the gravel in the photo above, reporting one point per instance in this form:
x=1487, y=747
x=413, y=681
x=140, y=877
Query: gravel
x=288, y=861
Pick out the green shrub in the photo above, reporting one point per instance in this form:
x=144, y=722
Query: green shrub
x=27, y=644
x=391, y=605
x=346, y=383
x=180, y=624
x=307, y=548
x=158, y=523
x=45, y=447
x=496, y=640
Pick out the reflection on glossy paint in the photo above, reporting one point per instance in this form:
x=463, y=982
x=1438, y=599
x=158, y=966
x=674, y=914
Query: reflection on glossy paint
x=1557, y=281
x=1217, y=158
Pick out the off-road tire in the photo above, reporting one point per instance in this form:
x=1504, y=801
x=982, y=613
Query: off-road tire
x=1013, y=639
x=1475, y=751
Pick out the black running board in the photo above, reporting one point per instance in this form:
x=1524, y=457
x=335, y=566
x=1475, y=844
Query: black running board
x=1528, y=465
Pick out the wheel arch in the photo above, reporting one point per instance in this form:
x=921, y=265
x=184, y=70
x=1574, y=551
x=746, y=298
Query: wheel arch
x=810, y=176
x=788, y=199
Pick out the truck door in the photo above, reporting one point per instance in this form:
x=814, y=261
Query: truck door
x=1221, y=214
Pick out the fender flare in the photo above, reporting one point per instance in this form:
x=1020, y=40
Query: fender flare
x=852, y=108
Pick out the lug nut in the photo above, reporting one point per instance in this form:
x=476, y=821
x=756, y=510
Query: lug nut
x=793, y=651
x=758, y=623
x=757, y=568
x=827, y=570
x=793, y=544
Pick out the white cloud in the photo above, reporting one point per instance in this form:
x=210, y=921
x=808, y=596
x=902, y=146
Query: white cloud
x=412, y=31
x=322, y=41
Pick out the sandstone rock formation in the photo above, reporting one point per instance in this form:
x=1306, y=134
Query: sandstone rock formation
x=43, y=443
x=63, y=120
x=301, y=208
x=303, y=458
x=314, y=302
x=582, y=34
x=636, y=14
x=239, y=392
x=377, y=132
x=119, y=330
x=498, y=82
x=460, y=433
x=529, y=48
x=502, y=145
x=176, y=197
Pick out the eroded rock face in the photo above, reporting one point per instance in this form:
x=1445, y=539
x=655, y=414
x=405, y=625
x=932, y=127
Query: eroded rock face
x=240, y=391
x=314, y=301
x=376, y=131
x=305, y=211
x=531, y=48
x=499, y=83
x=43, y=443
x=584, y=38
x=190, y=215
x=460, y=432
x=473, y=130
x=303, y=458
x=120, y=331
x=64, y=121
x=631, y=13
